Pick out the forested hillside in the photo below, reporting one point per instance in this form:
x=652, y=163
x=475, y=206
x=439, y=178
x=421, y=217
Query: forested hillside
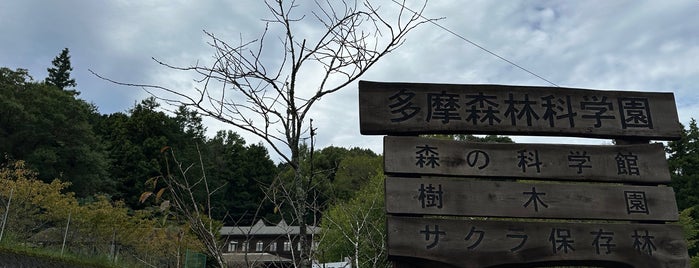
x=63, y=137
x=65, y=165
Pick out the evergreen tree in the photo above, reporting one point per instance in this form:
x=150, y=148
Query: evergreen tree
x=683, y=162
x=241, y=171
x=134, y=141
x=59, y=74
x=50, y=130
x=12, y=113
x=684, y=165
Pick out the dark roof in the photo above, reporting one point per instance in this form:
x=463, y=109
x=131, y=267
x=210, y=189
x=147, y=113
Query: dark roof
x=260, y=228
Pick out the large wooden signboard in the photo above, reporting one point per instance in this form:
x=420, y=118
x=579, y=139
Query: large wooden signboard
x=461, y=197
x=546, y=204
x=413, y=108
x=624, y=163
x=476, y=244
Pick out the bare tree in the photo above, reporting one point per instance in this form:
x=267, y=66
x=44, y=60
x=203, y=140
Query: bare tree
x=181, y=186
x=358, y=227
x=250, y=87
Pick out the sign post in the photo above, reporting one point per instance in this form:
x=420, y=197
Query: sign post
x=525, y=204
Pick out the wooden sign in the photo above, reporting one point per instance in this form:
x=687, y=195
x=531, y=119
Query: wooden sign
x=412, y=108
x=539, y=222
x=623, y=163
x=426, y=242
x=461, y=197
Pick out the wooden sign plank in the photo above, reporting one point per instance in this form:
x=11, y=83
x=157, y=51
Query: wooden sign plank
x=643, y=163
x=413, y=108
x=462, y=197
x=477, y=244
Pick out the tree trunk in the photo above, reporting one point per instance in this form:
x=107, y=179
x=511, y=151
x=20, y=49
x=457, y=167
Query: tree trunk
x=301, y=209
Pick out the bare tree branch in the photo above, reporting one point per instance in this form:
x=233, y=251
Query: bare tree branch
x=197, y=215
x=269, y=96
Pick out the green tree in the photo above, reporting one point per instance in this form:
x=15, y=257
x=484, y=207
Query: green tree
x=59, y=74
x=134, y=141
x=242, y=171
x=330, y=177
x=13, y=80
x=356, y=228
x=683, y=162
x=204, y=181
x=690, y=227
x=34, y=204
x=353, y=173
x=41, y=212
x=327, y=161
x=12, y=112
x=50, y=129
x=472, y=138
x=331, y=173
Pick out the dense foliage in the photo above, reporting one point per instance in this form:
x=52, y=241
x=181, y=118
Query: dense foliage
x=51, y=130
x=683, y=162
x=95, y=168
x=44, y=214
x=60, y=136
x=684, y=166
x=64, y=164
x=356, y=228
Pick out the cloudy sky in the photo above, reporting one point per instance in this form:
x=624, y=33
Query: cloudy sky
x=620, y=45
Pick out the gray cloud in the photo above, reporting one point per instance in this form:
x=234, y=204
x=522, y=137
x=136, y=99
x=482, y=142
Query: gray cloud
x=627, y=45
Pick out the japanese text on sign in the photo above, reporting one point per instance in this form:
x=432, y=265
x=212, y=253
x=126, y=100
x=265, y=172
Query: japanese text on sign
x=414, y=108
x=427, y=156
x=483, y=109
x=561, y=240
x=633, y=163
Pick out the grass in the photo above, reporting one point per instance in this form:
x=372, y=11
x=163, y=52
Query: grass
x=46, y=257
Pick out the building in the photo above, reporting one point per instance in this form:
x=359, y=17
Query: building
x=263, y=246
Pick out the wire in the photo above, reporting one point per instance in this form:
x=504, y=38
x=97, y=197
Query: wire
x=475, y=44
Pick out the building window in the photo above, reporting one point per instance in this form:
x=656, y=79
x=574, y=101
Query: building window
x=232, y=246
x=259, y=246
x=245, y=246
x=273, y=246
x=287, y=245
x=298, y=246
